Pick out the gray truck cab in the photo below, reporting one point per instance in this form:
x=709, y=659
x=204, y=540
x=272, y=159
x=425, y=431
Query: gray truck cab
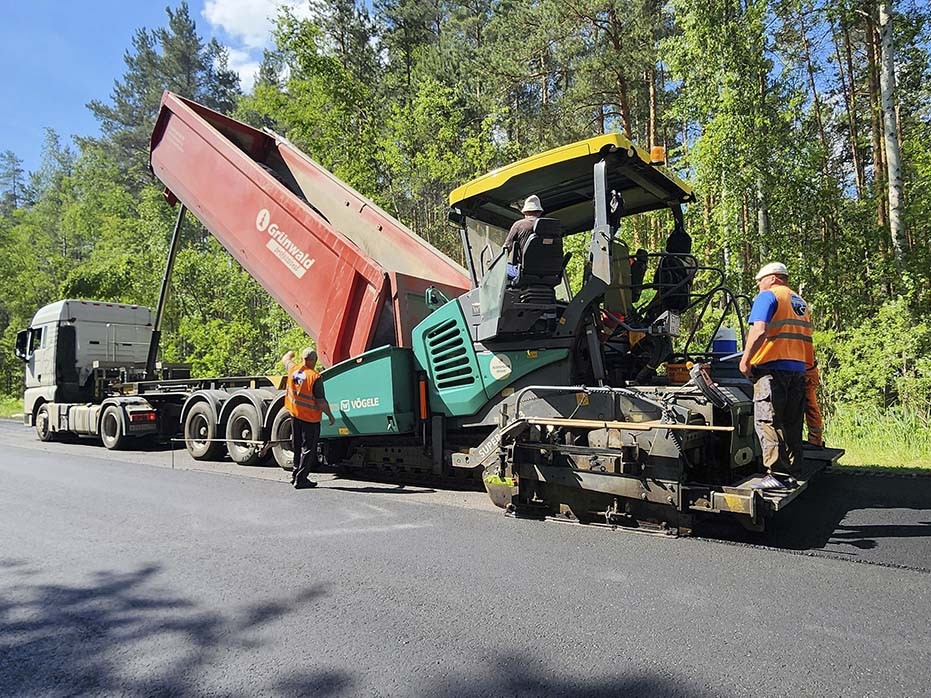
x=66, y=343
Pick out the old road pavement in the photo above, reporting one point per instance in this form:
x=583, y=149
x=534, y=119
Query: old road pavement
x=121, y=575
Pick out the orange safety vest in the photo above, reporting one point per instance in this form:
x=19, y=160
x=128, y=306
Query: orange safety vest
x=299, y=398
x=788, y=333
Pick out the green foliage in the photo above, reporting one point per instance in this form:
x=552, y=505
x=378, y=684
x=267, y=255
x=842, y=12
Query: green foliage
x=10, y=406
x=882, y=362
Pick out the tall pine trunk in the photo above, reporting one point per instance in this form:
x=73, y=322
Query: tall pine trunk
x=848, y=89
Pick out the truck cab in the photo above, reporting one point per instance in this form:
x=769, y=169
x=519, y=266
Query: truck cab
x=67, y=341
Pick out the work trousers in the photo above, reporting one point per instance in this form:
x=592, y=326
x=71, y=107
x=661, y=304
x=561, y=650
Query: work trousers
x=304, y=437
x=813, y=418
x=778, y=412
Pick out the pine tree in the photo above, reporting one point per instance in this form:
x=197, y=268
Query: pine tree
x=171, y=58
x=11, y=182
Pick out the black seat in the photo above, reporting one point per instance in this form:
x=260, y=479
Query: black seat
x=541, y=256
x=528, y=303
x=673, y=277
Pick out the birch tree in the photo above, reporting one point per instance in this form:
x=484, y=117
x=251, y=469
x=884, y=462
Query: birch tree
x=891, y=133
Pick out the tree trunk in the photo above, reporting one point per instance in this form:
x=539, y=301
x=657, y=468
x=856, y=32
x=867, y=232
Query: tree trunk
x=875, y=130
x=660, y=110
x=816, y=98
x=654, y=131
x=827, y=220
x=762, y=214
x=762, y=207
x=890, y=133
x=617, y=39
x=625, y=104
x=848, y=89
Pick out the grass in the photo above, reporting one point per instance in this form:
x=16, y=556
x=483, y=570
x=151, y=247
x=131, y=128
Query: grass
x=893, y=438
x=10, y=406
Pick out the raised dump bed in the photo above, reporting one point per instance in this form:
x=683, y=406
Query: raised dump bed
x=349, y=274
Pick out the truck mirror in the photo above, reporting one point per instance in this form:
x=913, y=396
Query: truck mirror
x=22, y=340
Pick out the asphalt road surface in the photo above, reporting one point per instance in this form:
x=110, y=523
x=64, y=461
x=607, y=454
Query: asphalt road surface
x=122, y=575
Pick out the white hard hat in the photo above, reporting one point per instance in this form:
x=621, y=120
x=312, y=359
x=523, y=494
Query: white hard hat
x=532, y=203
x=772, y=268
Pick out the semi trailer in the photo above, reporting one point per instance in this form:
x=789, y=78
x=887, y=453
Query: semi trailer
x=595, y=402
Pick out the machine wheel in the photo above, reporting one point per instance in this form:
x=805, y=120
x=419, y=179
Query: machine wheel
x=44, y=424
x=200, y=428
x=111, y=428
x=281, y=431
x=243, y=426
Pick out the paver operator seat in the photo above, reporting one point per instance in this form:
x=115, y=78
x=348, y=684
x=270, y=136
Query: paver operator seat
x=525, y=305
x=541, y=258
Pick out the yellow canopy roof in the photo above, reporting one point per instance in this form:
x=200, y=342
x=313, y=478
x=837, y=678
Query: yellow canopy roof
x=563, y=179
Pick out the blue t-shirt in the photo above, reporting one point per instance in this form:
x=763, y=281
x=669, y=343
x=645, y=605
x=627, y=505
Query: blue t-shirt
x=764, y=307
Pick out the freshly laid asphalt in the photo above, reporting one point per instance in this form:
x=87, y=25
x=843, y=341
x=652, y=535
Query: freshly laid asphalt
x=122, y=575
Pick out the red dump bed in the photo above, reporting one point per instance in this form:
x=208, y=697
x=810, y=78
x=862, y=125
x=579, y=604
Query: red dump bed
x=351, y=276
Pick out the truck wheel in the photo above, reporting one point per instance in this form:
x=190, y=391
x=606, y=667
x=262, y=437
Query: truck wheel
x=281, y=436
x=200, y=428
x=244, y=426
x=111, y=428
x=44, y=424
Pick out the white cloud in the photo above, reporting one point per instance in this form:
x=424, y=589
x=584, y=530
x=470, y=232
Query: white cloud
x=245, y=28
x=246, y=64
x=249, y=21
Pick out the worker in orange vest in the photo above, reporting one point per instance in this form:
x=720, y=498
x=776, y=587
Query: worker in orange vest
x=813, y=419
x=777, y=352
x=305, y=400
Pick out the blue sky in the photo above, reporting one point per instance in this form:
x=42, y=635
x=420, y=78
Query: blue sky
x=58, y=56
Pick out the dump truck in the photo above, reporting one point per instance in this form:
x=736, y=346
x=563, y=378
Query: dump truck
x=502, y=372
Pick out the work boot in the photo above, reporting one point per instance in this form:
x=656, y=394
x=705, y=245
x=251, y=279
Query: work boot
x=768, y=483
x=304, y=484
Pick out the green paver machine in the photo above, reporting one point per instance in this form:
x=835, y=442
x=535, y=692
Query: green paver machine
x=551, y=394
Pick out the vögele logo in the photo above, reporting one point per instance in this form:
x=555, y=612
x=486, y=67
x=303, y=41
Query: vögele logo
x=263, y=219
x=359, y=403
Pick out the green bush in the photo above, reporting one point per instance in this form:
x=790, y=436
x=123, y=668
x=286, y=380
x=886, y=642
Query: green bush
x=883, y=362
x=10, y=405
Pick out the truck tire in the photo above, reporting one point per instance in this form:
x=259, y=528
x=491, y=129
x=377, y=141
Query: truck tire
x=281, y=440
x=244, y=425
x=200, y=427
x=111, y=428
x=44, y=424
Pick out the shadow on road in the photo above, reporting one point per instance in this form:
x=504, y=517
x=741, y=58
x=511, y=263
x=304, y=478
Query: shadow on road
x=386, y=489
x=863, y=516
x=519, y=676
x=122, y=633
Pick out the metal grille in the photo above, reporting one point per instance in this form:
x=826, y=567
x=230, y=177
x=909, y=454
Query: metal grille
x=448, y=356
